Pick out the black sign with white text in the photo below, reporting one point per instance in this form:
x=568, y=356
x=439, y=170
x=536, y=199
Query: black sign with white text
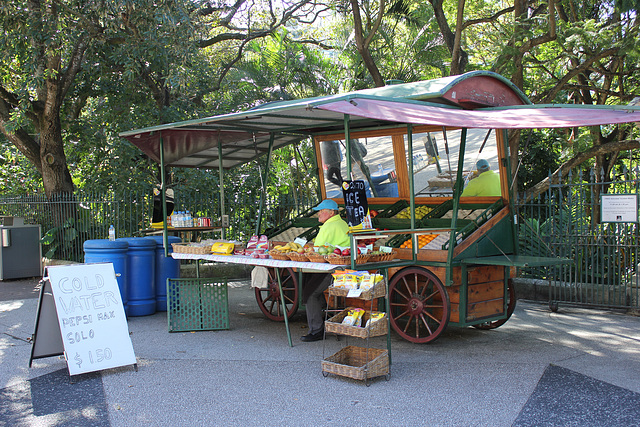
x=355, y=200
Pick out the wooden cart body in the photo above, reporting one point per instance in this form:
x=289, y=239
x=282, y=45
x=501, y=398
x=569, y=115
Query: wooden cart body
x=466, y=281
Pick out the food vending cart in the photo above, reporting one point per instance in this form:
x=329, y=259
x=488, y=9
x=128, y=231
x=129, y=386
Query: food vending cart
x=413, y=145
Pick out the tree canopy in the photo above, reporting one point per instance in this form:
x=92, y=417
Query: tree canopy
x=74, y=73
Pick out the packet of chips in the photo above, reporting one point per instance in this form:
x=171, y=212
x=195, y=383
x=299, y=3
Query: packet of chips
x=352, y=317
x=374, y=317
x=351, y=280
x=367, y=281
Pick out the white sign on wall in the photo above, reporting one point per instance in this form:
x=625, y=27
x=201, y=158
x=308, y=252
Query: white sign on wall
x=93, y=324
x=619, y=207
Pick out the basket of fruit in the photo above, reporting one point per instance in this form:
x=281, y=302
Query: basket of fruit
x=336, y=259
x=316, y=257
x=346, y=259
x=297, y=256
x=378, y=256
x=278, y=255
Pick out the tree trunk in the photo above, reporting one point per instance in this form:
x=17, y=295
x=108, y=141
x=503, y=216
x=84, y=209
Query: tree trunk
x=56, y=178
x=362, y=43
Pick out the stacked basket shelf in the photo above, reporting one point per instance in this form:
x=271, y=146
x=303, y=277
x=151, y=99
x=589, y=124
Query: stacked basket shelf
x=358, y=362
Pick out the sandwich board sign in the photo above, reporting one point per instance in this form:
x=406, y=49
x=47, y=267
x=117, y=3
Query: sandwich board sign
x=92, y=330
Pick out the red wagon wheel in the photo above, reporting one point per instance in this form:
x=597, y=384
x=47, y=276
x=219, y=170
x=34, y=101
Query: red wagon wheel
x=269, y=298
x=511, y=306
x=419, y=305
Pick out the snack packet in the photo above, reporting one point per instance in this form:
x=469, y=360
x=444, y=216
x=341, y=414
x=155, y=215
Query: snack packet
x=367, y=281
x=352, y=316
x=351, y=281
x=374, y=317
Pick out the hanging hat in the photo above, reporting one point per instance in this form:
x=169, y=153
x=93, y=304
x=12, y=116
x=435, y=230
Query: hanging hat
x=327, y=204
x=482, y=165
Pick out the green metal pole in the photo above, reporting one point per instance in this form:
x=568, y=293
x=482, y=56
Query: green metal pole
x=221, y=186
x=264, y=183
x=388, y=309
x=163, y=198
x=284, y=306
x=456, y=202
x=412, y=197
x=347, y=143
x=511, y=194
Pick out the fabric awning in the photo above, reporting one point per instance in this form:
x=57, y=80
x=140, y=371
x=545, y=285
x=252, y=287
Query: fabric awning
x=512, y=117
x=478, y=99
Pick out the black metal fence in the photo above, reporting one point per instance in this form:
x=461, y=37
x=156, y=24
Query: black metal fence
x=563, y=221
x=68, y=221
x=566, y=221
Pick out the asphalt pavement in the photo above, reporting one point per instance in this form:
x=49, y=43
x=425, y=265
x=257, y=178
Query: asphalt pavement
x=576, y=367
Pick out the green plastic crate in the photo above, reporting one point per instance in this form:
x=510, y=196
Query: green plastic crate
x=197, y=304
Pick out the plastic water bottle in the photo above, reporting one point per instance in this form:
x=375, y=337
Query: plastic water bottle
x=188, y=222
x=112, y=233
x=379, y=168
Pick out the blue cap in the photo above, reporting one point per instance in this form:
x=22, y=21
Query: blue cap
x=482, y=165
x=327, y=204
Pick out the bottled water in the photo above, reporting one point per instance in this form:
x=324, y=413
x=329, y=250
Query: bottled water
x=112, y=233
x=379, y=168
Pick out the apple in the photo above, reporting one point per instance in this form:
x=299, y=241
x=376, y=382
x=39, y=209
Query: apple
x=337, y=251
x=346, y=252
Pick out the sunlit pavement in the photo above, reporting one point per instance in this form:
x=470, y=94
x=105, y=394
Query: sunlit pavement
x=574, y=367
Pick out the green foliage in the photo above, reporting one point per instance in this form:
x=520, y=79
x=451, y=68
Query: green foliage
x=60, y=241
x=539, y=156
x=17, y=175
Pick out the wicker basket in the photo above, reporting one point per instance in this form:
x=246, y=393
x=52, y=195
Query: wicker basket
x=346, y=260
x=280, y=256
x=338, y=260
x=295, y=256
x=382, y=257
x=358, y=363
x=185, y=248
x=317, y=257
x=375, y=329
x=378, y=291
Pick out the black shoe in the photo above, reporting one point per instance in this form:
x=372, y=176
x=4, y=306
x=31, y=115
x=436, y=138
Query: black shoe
x=312, y=337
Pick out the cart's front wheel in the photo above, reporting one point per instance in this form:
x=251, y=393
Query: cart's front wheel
x=419, y=305
x=269, y=298
x=511, y=306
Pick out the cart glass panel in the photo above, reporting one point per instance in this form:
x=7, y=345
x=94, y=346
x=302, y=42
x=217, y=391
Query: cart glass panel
x=435, y=166
x=371, y=161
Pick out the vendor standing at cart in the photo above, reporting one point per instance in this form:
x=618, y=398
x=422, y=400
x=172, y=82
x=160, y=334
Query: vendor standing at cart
x=333, y=231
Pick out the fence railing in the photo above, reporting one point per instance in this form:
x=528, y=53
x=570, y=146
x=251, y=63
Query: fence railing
x=565, y=222
x=68, y=221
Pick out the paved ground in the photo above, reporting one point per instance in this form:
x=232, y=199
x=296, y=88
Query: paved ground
x=576, y=367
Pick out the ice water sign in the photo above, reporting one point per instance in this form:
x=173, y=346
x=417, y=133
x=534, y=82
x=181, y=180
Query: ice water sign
x=356, y=205
x=91, y=316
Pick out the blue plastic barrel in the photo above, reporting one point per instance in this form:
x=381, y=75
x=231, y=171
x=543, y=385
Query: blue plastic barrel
x=114, y=252
x=166, y=268
x=141, y=278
